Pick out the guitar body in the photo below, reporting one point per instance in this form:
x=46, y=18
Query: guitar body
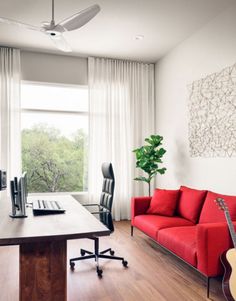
x=228, y=260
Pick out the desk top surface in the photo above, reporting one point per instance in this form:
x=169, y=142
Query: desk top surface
x=76, y=222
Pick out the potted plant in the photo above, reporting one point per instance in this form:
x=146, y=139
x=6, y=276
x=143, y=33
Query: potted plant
x=149, y=157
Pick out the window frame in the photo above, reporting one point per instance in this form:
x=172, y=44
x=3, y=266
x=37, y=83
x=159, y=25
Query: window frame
x=66, y=112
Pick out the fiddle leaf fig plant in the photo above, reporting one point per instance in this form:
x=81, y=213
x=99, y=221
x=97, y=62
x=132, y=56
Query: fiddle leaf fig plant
x=149, y=157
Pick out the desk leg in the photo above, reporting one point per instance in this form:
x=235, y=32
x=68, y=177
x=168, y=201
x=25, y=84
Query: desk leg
x=43, y=271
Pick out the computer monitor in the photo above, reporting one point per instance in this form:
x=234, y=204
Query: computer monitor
x=19, y=194
x=3, y=179
x=23, y=187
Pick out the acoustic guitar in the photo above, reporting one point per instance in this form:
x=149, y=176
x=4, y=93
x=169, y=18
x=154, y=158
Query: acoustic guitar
x=228, y=258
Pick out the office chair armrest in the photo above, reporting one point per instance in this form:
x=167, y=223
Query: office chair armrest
x=98, y=212
x=98, y=205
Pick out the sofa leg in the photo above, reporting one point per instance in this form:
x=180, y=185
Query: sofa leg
x=132, y=230
x=208, y=287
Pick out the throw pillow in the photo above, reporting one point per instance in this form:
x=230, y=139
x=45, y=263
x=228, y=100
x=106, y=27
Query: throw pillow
x=210, y=211
x=163, y=202
x=190, y=203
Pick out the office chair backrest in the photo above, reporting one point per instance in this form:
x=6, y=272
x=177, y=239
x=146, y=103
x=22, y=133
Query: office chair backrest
x=106, y=199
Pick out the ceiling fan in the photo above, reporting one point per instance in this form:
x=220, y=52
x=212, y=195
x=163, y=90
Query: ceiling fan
x=55, y=31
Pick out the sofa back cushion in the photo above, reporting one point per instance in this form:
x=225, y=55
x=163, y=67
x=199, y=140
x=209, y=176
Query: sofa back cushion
x=163, y=202
x=210, y=212
x=190, y=203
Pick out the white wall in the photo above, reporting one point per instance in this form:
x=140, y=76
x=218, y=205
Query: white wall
x=209, y=50
x=53, y=68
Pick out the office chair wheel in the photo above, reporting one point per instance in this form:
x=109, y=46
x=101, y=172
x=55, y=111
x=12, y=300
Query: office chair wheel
x=72, y=265
x=125, y=263
x=82, y=253
x=112, y=252
x=99, y=272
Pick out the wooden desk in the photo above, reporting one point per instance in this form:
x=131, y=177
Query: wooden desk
x=43, y=245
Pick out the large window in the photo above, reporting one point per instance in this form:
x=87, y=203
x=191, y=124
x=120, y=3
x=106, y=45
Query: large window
x=54, y=131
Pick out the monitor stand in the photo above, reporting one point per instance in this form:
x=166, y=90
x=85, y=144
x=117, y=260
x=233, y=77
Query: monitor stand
x=17, y=216
x=18, y=207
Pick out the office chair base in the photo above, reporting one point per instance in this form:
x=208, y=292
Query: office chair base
x=100, y=255
x=72, y=266
x=98, y=269
x=108, y=250
x=96, y=255
x=83, y=252
x=99, y=272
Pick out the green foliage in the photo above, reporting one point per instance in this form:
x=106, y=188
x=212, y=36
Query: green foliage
x=54, y=162
x=149, y=157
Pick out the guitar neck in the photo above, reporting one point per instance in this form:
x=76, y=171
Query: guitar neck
x=231, y=227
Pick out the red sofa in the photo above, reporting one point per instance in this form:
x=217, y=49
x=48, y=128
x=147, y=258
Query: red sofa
x=188, y=223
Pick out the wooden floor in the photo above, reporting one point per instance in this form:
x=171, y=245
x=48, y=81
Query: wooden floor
x=153, y=274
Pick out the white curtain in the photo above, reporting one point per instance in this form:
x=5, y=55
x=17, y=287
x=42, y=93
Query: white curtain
x=10, y=111
x=121, y=106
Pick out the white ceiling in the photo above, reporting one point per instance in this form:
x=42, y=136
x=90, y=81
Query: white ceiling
x=163, y=23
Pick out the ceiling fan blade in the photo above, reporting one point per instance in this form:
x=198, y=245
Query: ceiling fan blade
x=24, y=25
x=60, y=43
x=79, y=19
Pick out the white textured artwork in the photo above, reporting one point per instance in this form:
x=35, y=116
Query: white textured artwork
x=212, y=109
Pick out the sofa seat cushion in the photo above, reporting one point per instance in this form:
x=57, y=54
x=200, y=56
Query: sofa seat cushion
x=210, y=212
x=151, y=224
x=190, y=203
x=181, y=241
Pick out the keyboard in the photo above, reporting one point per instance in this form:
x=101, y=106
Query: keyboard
x=41, y=207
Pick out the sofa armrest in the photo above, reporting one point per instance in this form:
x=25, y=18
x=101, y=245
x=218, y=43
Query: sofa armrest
x=212, y=240
x=139, y=205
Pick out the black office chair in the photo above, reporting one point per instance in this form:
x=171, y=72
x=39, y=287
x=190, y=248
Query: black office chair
x=105, y=215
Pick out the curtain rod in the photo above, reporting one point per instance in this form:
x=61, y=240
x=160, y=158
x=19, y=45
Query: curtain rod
x=121, y=60
x=3, y=46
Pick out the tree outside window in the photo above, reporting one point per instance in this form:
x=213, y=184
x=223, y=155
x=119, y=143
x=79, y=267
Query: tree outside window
x=55, y=137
